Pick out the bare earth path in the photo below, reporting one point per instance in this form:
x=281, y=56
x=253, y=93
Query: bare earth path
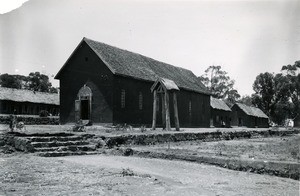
x=115, y=175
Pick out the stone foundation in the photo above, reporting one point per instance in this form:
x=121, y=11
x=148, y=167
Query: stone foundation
x=150, y=139
x=31, y=120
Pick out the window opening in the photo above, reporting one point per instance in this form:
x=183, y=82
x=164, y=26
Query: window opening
x=190, y=108
x=140, y=101
x=123, y=94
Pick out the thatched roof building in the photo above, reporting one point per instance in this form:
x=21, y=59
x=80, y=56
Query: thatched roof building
x=26, y=101
x=248, y=116
x=219, y=104
x=220, y=113
x=21, y=95
x=252, y=111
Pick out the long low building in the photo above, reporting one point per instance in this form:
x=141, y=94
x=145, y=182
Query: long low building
x=20, y=101
x=220, y=113
x=248, y=116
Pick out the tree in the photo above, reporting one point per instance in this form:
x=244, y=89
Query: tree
x=278, y=95
x=10, y=81
x=53, y=90
x=247, y=100
x=38, y=82
x=291, y=77
x=34, y=81
x=220, y=84
x=264, y=89
x=291, y=69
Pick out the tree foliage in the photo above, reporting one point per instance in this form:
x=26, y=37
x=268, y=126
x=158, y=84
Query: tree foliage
x=38, y=82
x=34, y=81
x=247, y=100
x=264, y=92
x=220, y=84
x=278, y=94
x=10, y=81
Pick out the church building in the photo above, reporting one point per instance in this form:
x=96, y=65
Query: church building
x=100, y=83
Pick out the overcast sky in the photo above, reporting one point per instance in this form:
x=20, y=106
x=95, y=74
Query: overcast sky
x=244, y=37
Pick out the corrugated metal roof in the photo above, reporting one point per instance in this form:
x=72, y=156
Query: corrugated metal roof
x=21, y=95
x=252, y=111
x=126, y=63
x=218, y=104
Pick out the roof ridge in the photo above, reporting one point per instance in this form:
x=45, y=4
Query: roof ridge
x=25, y=95
x=253, y=110
x=219, y=104
x=85, y=38
x=248, y=105
x=28, y=90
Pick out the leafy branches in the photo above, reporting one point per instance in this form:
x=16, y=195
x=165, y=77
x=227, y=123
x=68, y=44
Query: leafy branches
x=34, y=81
x=220, y=84
x=278, y=95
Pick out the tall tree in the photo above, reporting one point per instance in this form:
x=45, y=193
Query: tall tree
x=264, y=89
x=278, y=95
x=291, y=76
x=220, y=84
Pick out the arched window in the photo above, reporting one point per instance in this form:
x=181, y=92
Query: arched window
x=140, y=100
x=123, y=94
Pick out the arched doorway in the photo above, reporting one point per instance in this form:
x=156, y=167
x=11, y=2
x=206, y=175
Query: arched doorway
x=83, y=105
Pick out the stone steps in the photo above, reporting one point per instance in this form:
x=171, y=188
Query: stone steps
x=72, y=148
x=54, y=144
x=58, y=143
x=54, y=138
x=65, y=153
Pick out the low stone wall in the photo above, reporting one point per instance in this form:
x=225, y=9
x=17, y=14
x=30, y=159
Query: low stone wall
x=150, y=139
x=31, y=120
x=19, y=143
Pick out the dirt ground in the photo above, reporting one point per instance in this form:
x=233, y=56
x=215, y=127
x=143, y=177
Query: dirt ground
x=25, y=174
x=270, y=149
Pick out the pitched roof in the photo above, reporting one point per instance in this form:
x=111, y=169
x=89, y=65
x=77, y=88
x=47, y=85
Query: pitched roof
x=218, y=104
x=21, y=95
x=252, y=111
x=166, y=83
x=130, y=64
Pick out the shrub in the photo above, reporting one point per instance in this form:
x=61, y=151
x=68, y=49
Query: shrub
x=127, y=172
x=44, y=113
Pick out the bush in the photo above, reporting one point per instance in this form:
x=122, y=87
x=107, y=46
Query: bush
x=127, y=172
x=44, y=113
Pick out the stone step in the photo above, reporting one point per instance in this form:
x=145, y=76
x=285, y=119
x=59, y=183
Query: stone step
x=65, y=153
x=54, y=138
x=57, y=134
x=56, y=144
x=67, y=148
